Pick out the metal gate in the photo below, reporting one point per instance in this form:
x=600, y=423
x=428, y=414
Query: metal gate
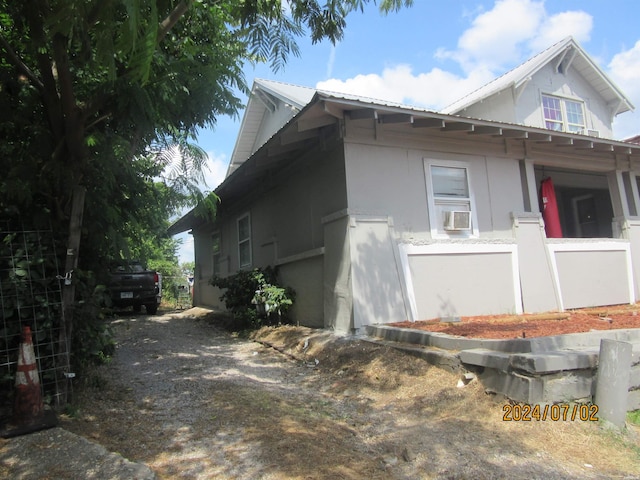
x=31, y=295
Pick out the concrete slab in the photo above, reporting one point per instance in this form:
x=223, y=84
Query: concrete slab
x=517, y=387
x=554, y=361
x=533, y=370
x=486, y=358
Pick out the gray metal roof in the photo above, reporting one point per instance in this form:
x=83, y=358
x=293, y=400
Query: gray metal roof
x=565, y=51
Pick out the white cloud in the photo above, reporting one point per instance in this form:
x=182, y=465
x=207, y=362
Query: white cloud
x=435, y=89
x=497, y=39
x=578, y=24
x=215, y=170
x=624, y=70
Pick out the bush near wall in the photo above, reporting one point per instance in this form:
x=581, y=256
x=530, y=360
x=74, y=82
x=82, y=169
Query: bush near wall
x=254, y=297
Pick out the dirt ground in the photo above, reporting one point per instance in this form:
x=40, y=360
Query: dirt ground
x=192, y=401
x=535, y=325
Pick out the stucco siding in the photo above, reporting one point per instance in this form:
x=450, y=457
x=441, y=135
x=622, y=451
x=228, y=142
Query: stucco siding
x=592, y=275
x=377, y=285
x=499, y=107
x=391, y=181
x=461, y=283
x=305, y=276
x=285, y=220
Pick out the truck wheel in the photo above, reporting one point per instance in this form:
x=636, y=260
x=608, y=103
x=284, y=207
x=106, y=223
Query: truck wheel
x=152, y=308
x=137, y=307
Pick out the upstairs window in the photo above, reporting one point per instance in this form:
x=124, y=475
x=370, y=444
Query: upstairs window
x=244, y=241
x=562, y=114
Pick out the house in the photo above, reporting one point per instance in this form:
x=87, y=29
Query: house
x=378, y=212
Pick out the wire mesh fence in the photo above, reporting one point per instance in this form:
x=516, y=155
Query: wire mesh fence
x=31, y=295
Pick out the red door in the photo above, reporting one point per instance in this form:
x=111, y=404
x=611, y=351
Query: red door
x=550, y=209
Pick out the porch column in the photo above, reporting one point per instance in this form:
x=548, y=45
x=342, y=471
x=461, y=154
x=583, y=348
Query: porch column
x=537, y=281
x=337, y=290
x=630, y=230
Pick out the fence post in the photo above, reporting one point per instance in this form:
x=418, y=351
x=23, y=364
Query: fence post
x=612, y=384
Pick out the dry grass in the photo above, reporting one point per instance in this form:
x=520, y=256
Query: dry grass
x=388, y=377
x=343, y=408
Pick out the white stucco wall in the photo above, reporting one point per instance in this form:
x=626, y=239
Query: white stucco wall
x=573, y=86
x=527, y=108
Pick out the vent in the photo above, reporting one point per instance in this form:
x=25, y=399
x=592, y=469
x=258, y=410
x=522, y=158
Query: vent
x=457, y=220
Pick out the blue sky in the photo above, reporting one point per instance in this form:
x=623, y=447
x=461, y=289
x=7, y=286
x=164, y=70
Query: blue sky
x=437, y=51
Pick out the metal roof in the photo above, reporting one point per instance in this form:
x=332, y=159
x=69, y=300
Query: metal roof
x=566, y=54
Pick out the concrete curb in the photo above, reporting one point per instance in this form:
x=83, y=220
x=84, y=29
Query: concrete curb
x=58, y=453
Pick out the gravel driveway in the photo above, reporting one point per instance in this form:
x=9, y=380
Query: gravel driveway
x=191, y=401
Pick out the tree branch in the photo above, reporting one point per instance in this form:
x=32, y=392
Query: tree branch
x=175, y=15
x=14, y=59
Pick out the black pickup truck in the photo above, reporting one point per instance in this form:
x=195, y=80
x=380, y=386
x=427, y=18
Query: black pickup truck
x=132, y=285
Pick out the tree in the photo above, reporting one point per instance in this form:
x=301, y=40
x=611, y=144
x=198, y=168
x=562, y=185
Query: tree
x=93, y=90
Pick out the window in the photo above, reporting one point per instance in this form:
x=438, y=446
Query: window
x=215, y=251
x=244, y=241
x=563, y=115
x=450, y=198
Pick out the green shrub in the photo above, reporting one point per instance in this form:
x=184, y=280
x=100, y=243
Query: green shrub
x=254, y=297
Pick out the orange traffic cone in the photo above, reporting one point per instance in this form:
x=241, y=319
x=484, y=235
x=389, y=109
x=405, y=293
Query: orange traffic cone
x=29, y=414
x=28, y=405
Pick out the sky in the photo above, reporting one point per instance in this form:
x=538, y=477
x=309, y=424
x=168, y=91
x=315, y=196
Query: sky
x=438, y=51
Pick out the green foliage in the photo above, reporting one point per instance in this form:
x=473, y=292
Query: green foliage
x=247, y=291
x=634, y=417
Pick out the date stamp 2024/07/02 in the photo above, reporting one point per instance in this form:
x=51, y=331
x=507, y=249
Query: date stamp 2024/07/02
x=559, y=412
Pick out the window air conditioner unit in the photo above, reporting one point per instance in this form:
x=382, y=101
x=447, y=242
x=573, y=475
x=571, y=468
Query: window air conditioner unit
x=591, y=133
x=457, y=220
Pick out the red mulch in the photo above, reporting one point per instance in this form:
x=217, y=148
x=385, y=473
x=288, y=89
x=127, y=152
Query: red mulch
x=519, y=326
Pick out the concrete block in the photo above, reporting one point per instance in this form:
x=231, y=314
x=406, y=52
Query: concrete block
x=514, y=386
x=633, y=400
x=554, y=361
x=486, y=358
x=567, y=386
x=612, y=381
x=634, y=377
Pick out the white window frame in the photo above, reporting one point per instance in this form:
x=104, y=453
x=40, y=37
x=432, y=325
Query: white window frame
x=242, y=241
x=435, y=203
x=564, y=121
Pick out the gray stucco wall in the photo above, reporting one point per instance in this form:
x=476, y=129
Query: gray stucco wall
x=307, y=276
x=461, y=284
x=593, y=277
x=286, y=221
x=391, y=181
